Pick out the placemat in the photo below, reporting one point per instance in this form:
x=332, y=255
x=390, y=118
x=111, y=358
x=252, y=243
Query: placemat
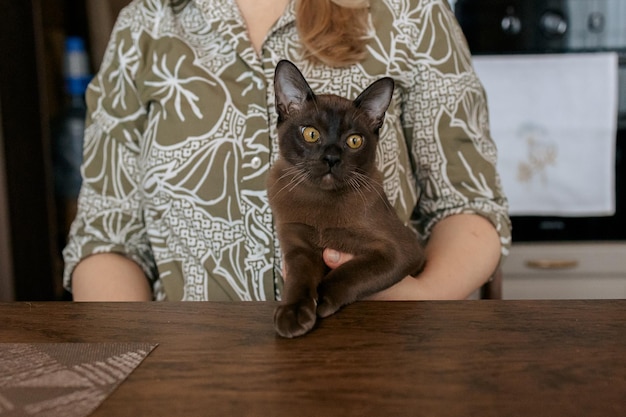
x=63, y=379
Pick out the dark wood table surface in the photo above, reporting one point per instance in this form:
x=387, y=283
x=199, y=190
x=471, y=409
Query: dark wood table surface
x=468, y=358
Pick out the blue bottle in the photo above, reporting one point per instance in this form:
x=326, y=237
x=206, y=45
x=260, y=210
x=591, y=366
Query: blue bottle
x=68, y=130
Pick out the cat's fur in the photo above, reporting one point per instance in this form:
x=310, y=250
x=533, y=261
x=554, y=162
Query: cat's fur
x=326, y=194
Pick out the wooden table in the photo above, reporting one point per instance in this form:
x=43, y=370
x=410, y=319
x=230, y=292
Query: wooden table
x=470, y=358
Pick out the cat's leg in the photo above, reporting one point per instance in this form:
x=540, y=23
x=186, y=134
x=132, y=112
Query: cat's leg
x=304, y=269
x=363, y=275
x=377, y=265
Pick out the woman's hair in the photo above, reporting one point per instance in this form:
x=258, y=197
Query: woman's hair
x=331, y=34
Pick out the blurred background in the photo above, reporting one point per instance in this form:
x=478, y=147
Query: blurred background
x=555, y=76
x=49, y=48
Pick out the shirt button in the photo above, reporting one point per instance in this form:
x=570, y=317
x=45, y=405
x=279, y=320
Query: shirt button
x=256, y=162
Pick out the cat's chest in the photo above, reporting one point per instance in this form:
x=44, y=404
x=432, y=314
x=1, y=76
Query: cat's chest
x=323, y=210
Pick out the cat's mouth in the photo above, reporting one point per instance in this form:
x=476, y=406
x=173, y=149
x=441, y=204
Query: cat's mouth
x=329, y=181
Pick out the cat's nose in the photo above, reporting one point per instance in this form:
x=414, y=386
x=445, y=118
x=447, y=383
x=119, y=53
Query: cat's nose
x=332, y=160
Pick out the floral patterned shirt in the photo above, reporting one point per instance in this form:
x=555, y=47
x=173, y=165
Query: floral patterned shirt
x=181, y=132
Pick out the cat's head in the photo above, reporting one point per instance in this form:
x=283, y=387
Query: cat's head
x=328, y=140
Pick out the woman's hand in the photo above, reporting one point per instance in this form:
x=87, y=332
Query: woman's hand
x=334, y=258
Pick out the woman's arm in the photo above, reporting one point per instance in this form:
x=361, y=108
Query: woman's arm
x=109, y=277
x=110, y=217
x=462, y=253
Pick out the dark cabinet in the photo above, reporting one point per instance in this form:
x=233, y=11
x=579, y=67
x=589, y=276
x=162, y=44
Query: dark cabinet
x=31, y=36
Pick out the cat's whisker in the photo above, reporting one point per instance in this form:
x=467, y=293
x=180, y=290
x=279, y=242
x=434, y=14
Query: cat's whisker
x=356, y=186
x=292, y=170
x=368, y=183
x=294, y=182
x=367, y=177
x=297, y=174
x=363, y=181
x=303, y=178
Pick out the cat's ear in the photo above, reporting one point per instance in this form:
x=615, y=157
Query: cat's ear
x=291, y=89
x=375, y=99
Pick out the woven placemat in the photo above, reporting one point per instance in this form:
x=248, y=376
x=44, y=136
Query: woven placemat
x=63, y=379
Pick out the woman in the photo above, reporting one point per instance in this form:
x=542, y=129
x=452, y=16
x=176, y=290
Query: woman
x=181, y=133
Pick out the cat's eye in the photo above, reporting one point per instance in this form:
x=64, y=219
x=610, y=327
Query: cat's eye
x=310, y=134
x=355, y=141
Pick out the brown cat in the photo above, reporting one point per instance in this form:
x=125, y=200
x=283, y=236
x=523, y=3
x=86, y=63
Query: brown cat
x=326, y=192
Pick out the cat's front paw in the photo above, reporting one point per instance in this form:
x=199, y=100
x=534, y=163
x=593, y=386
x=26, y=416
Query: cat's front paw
x=293, y=320
x=327, y=307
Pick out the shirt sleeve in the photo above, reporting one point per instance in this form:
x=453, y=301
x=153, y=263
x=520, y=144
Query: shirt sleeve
x=448, y=126
x=109, y=217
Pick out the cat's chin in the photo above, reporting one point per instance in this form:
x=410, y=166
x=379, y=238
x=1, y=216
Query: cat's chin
x=329, y=183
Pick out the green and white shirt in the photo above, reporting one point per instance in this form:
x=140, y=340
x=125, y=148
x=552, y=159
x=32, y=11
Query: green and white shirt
x=181, y=132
